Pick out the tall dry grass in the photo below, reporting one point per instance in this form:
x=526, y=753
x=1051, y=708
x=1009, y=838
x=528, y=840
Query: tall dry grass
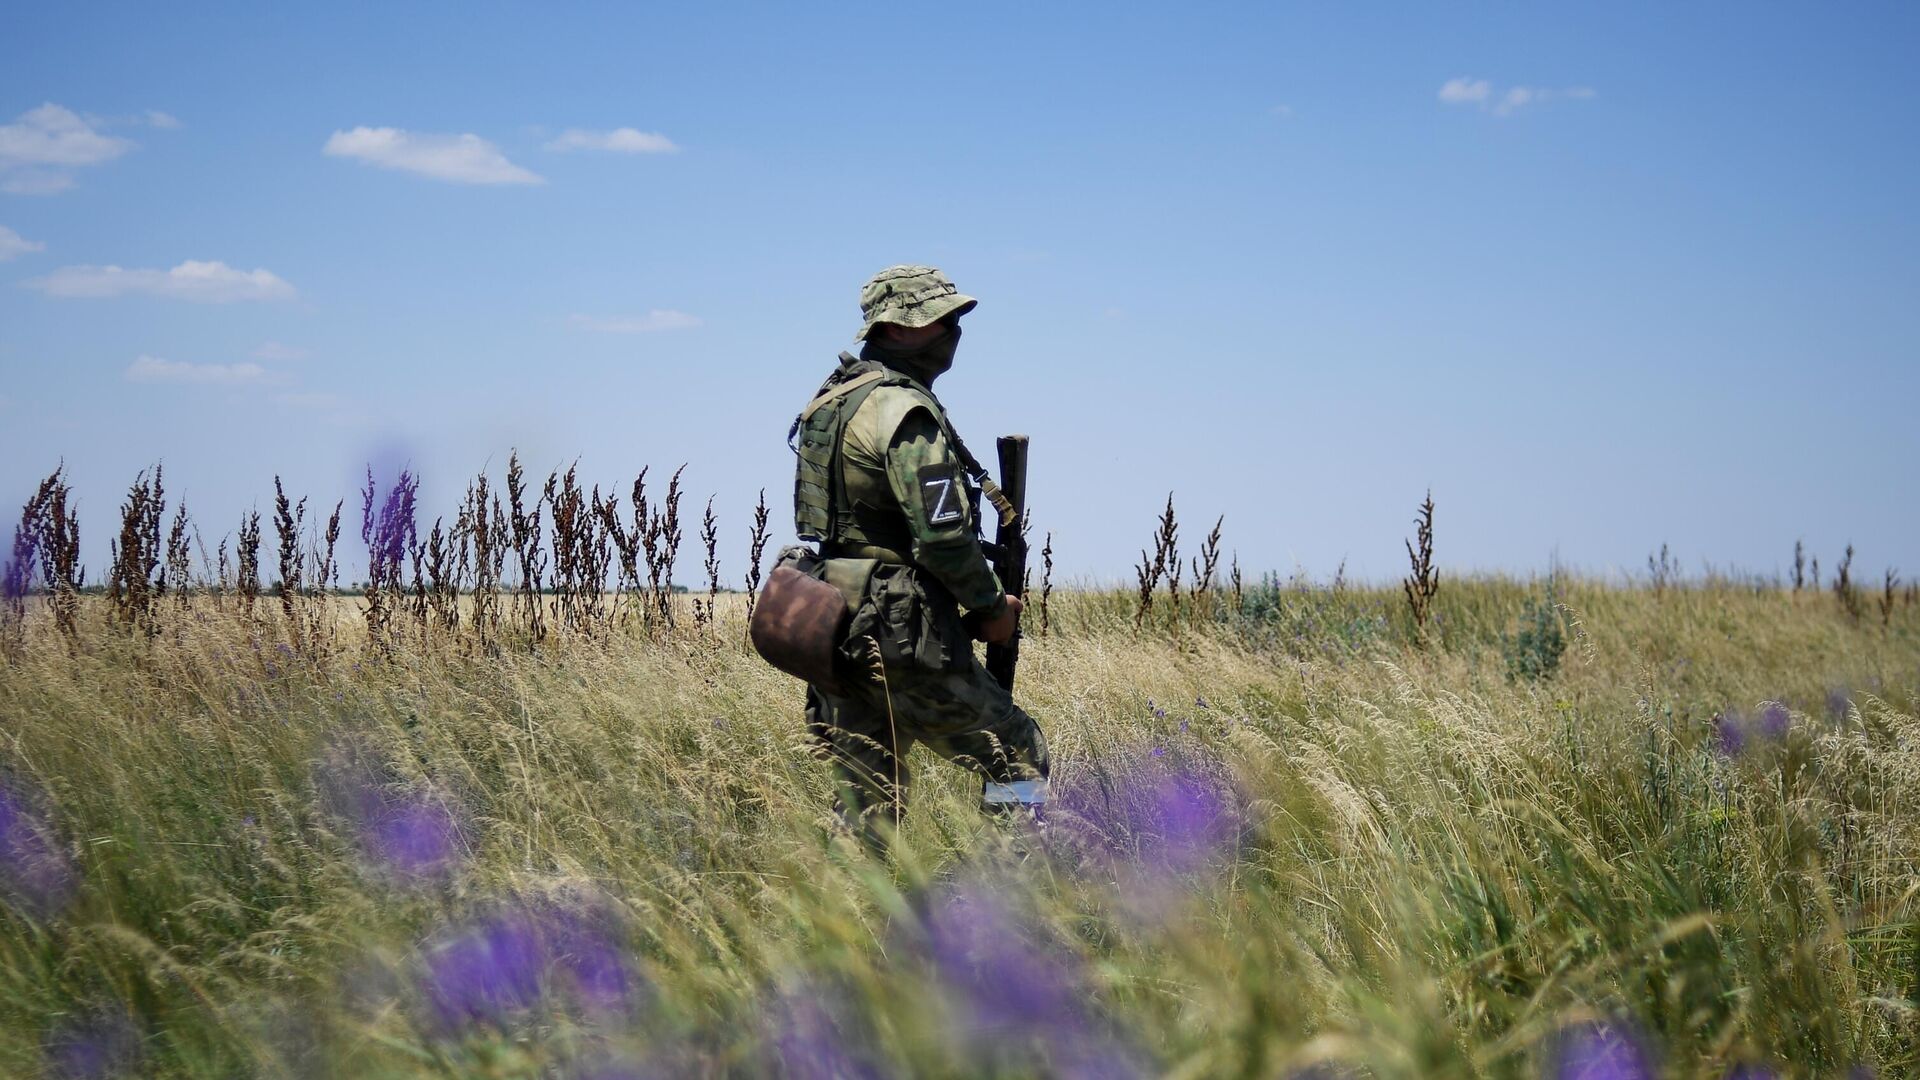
x=1283, y=837
x=487, y=817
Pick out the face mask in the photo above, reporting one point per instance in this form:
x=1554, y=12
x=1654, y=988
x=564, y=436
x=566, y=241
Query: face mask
x=926, y=362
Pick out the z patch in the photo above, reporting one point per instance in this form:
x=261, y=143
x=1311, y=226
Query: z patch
x=941, y=494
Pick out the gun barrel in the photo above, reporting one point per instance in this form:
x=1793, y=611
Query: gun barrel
x=1011, y=563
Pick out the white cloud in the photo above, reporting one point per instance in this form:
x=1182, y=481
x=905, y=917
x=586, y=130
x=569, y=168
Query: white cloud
x=13, y=246
x=1465, y=91
x=273, y=351
x=53, y=135
x=653, y=321
x=1284, y=112
x=34, y=182
x=202, y=282
x=1517, y=97
x=624, y=140
x=152, y=369
x=164, y=121
x=1480, y=92
x=41, y=142
x=461, y=159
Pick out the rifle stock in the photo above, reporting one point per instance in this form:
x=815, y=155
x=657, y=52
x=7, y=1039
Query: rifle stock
x=1010, y=561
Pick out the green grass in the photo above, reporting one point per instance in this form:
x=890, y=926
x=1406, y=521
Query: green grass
x=1421, y=868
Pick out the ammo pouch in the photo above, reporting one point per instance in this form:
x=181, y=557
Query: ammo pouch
x=915, y=621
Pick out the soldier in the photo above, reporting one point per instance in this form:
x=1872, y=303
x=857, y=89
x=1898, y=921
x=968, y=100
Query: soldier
x=891, y=494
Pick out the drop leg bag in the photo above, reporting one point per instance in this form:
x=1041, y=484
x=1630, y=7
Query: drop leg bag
x=800, y=621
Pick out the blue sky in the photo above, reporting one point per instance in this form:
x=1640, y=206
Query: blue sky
x=1602, y=277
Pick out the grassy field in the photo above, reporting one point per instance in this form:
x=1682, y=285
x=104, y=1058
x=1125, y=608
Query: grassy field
x=1286, y=841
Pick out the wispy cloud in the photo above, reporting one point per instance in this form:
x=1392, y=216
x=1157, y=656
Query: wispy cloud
x=201, y=282
x=460, y=159
x=34, y=181
x=275, y=352
x=12, y=245
x=652, y=322
x=153, y=369
x=1482, y=94
x=41, y=143
x=1465, y=91
x=164, y=121
x=624, y=140
x=1283, y=111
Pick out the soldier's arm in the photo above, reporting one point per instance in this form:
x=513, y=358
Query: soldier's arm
x=927, y=479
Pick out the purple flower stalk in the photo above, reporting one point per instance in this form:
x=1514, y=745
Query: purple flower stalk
x=1730, y=733
x=496, y=967
x=1156, y=819
x=595, y=966
x=390, y=531
x=485, y=974
x=1774, y=722
x=1601, y=1051
x=414, y=837
x=16, y=580
x=1007, y=979
x=411, y=834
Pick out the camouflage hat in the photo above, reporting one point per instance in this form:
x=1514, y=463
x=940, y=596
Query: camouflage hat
x=910, y=296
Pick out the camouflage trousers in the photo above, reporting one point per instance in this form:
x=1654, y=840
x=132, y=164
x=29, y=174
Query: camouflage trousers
x=964, y=716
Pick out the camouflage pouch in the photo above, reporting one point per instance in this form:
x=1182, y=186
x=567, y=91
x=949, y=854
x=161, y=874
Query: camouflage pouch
x=916, y=626
x=799, y=624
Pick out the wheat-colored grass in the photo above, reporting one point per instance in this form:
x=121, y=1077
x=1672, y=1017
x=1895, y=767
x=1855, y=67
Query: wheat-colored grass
x=1427, y=870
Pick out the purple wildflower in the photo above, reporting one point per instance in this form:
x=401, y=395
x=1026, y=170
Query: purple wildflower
x=1730, y=733
x=97, y=1046
x=1200, y=701
x=1164, y=818
x=1774, y=721
x=34, y=871
x=1159, y=751
x=390, y=531
x=587, y=951
x=1601, y=1051
x=415, y=837
x=1009, y=980
x=16, y=580
x=1839, y=702
x=486, y=973
x=810, y=1042
x=409, y=833
x=1183, y=727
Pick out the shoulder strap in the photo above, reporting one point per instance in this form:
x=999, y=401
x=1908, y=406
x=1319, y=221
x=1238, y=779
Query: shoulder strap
x=840, y=390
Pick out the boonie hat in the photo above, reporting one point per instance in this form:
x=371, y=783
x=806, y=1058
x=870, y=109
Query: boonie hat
x=910, y=296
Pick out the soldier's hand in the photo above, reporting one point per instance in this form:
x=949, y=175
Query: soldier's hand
x=1000, y=631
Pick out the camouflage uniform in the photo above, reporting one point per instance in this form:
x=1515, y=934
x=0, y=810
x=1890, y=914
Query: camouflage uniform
x=890, y=493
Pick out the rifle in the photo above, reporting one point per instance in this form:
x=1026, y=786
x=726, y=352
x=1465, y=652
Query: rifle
x=1009, y=553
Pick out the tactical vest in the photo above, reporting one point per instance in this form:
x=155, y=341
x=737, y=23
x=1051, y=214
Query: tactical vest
x=823, y=510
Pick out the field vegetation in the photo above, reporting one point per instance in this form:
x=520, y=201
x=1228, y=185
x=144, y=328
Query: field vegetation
x=536, y=813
